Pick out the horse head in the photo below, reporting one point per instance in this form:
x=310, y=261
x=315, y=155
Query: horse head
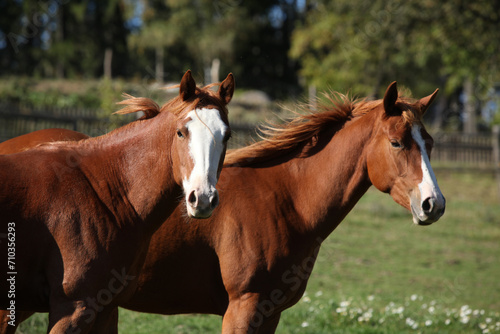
x=199, y=147
x=398, y=157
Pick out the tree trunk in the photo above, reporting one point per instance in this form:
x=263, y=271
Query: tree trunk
x=108, y=58
x=439, y=116
x=214, y=71
x=313, y=101
x=470, y=122
x=160, y=55
x=59, y=37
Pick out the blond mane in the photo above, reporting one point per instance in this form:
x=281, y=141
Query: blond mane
x=280, y=139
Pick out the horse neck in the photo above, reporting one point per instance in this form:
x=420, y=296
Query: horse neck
x=329, y=183
x=133, y=164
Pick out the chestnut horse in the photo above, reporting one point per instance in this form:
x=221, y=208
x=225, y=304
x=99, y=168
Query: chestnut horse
x=281, y=198
x=79, y=215
x=24, y=142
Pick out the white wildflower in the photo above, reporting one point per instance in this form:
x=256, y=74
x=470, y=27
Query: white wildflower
x=428, y=323
x=410, y=321
x=413, y=297
x=304, y=324
x=398, y=310
x=345, y=303
x=319, y=293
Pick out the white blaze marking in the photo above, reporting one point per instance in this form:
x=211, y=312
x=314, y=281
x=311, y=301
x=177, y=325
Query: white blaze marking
x=429, y=186
x=204, y=151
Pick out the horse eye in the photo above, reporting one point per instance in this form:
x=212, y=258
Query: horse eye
x=179, y=134
x=396, y=144
x=227, y=136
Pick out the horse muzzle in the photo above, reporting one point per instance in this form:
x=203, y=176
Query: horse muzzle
x=201, y=204
x=428, y=210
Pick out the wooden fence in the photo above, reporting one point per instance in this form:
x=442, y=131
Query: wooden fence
x=471, y=152
x=466, y=150
x=16, y=120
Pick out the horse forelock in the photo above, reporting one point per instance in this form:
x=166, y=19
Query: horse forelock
x=411, y=112
x=203, y=97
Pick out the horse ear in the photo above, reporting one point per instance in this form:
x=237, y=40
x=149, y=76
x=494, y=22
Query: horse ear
x=390, y=97
x=188, y=86
x=226, y=89
x=425, y=102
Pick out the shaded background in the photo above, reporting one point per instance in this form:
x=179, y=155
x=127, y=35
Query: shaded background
x=283, y=47
x=65, y=63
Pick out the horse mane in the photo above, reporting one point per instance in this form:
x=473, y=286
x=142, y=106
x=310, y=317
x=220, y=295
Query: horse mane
x=280, y=139
x=203, y=96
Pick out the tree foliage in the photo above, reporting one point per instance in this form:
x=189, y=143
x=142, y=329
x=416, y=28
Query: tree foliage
x=345, y=45
x=150, y=39
x=364, y=45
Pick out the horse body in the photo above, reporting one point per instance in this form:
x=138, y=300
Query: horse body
x=70, y=232
x=257, y=263
x=258, y=251
x=84, y=212
x=278, y=203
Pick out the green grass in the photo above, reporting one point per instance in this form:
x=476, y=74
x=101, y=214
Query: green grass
x=378, y=273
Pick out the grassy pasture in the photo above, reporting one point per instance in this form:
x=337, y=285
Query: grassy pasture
x=378, y=273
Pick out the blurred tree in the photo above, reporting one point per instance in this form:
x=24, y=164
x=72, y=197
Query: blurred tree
x=248, y=38
x=364, y=45
x=64, y=38
x=9, y=24
x=200, y=31
x=156, y=33
x=470, y=45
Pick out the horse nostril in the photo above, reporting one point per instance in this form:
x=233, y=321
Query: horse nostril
x=192, y=199
x=214, y=201
x=428, y=205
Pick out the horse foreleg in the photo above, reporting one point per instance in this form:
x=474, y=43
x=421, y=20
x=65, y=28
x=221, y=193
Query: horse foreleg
x=78, y=317
x=9, y=325
x=248, y=315
x=70, y=317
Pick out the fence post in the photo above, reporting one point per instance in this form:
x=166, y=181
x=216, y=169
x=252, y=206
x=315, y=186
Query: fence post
x=495, y=141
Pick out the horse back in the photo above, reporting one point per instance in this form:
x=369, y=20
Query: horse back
x=32, y=139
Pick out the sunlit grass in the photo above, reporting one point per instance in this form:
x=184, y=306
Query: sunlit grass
x=378, y=273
